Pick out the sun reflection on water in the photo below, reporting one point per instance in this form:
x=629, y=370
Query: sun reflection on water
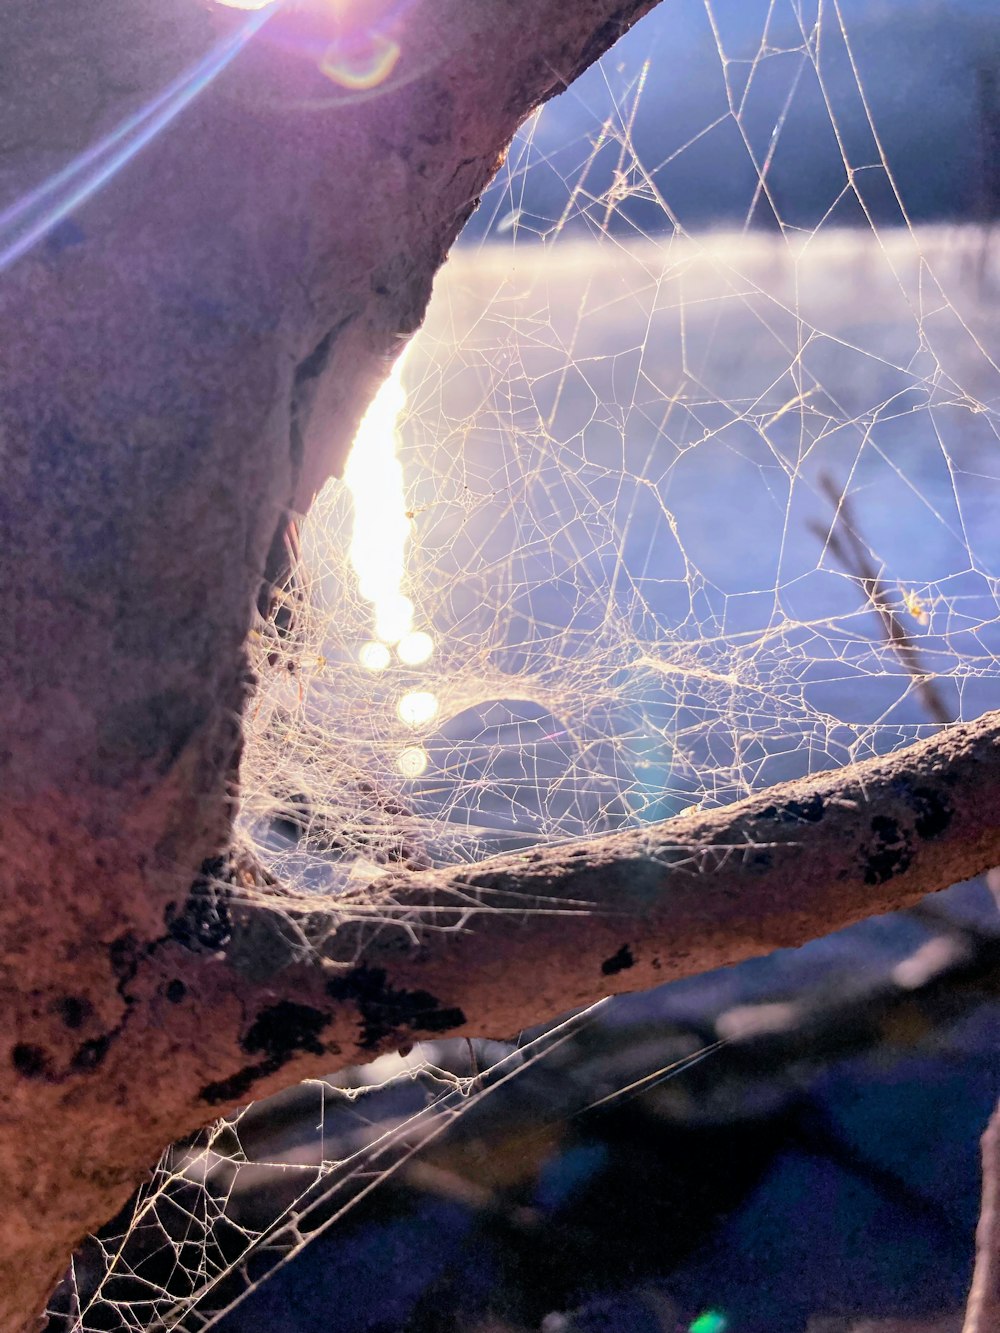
x=379, y=540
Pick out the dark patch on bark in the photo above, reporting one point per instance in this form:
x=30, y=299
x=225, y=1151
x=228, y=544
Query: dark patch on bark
x=176, y=990
x=934, y=812
x=279, y=1032
x=230, y=1089
x=890, y=854
x=385, y=1010
x=204, y=921
x=284, y=1028
x=758, y=862
x=91, y=1053
x=278, y=594
x=74, y=1010
x=123, y=954
x=618, y=962
x=65, y=236
x=30, y=1061
x=796, y=812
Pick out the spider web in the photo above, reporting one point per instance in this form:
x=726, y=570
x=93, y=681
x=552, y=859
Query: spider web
x=663, y=513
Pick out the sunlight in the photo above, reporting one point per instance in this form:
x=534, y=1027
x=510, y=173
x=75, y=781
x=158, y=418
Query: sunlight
x=360, y=58
x=380, y=535
x=381, y=529
x=418, y=707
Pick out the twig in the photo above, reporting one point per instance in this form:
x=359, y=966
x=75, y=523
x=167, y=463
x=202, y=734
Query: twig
x=982, y=1314
x=856, y=559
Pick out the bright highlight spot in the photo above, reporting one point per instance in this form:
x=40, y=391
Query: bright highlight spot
x=381, y=528
x=709, y=1322
x=378, y=553
x=417, y=708
x=415, y=648
x=245, y=4
x=393, y=618
x=374, y=656
x=412, y=761
x=364, y=63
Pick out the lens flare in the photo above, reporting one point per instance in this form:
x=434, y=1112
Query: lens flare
x=415, y=648
x=363, y=63
x=412, y=761
x=32, y=217
x=374, y=656
x=711, y=1321
x=417, y=708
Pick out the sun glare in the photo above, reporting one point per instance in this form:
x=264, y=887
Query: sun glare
x=417, y=708
x=361, y=57
x=381, y=528
x=380, y=535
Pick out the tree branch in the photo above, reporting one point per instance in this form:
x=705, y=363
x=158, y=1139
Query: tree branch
x=297, y=987
x=179, y=369
x=514, y=940
x=983, y=1311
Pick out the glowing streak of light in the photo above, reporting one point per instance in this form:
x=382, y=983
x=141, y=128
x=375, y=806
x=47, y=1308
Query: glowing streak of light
x=381, y=529
x=379, y=538
x=33, y=216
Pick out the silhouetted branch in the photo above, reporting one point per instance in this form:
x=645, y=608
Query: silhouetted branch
x=844, y=540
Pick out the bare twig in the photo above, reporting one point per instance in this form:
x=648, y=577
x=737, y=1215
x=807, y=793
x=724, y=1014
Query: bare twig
x=844, y=541
x=983, y=1311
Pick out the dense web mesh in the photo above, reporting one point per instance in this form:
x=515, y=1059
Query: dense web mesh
x=652, y=514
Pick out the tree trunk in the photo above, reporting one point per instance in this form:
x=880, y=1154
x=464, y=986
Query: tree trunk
x=185, y=356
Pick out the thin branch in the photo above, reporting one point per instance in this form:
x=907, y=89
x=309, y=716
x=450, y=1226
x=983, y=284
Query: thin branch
x=855, y=557
x=982, y=1314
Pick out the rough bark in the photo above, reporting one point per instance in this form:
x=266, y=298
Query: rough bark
x=180, y=366
x=184, y=360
